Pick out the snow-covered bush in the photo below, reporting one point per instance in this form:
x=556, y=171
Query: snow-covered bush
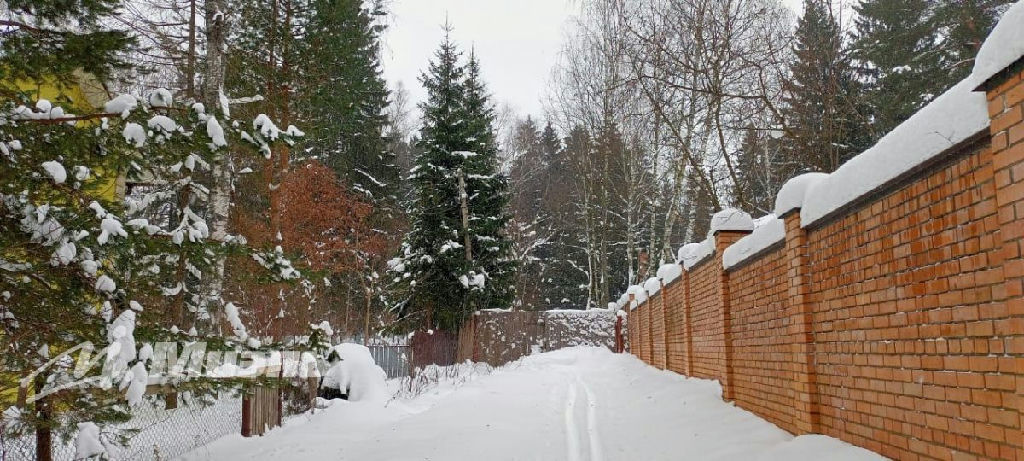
x=356, y=374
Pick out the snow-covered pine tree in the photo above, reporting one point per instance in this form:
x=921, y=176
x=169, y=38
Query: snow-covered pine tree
x=822, y=98
x=344, y=95
x=79, y=264
x=897, y=54
x=456, y=256
x=487, y=191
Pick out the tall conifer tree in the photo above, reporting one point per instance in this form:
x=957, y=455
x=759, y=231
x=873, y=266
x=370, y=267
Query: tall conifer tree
x=456, y=257
x=345, y=97
x=823, y=97
x=896, y=47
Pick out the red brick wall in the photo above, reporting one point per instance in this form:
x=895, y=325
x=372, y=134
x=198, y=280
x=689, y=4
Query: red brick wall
x=657, y=331
x=708, y=335
x=762, y=355
x=897, y=325
x=906, y=354
x=675, y=303
x=1007, y=130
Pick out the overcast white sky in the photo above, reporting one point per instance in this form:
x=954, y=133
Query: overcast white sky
x=517, y=41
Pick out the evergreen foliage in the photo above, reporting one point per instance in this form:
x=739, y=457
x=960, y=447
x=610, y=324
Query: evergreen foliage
x=80, y=264
x=897, y=52
x=344, y=96
x=53, y=38
x=822, y=98
x=443, y=281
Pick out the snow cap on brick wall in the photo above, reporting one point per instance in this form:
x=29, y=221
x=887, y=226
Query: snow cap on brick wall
x=652, y=285
x=693, y=253
x=623, y=300
x=639, y=295
x=668, y=273
x=950, y=119
x=731, y=219
x=771, y=231
x=1003, y=47
x=791, y=195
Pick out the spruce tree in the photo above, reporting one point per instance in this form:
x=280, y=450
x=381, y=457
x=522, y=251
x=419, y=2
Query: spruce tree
x=965, y=23
x=445, y=280
x=488, y=194
x=822, y=97
x=756, y=173
x=896, y=47
x=343, y=97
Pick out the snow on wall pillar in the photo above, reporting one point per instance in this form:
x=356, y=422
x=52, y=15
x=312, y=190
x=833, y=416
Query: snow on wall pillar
x=724, y=239
x=800, y=329
x=1005, y=93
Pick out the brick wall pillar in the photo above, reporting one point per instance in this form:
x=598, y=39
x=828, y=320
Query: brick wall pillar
x=649, y=331
x=800, y=328
x=687, y=324
x=664, y=323
x=634, y=336
x=1005, y=93
x=724, y=239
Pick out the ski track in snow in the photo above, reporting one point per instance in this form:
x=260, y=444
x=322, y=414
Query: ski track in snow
x=572, y=432
x=592, y=430
x=548, y=407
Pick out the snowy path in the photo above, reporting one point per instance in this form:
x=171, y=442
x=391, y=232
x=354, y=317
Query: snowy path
x=576, y=404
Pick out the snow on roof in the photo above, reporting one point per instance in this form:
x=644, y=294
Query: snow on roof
x=791, y=196
x=1003, y=47
x=668, y=273
x=692, y=254
x=948, y=120
x=731, y=219
x=770, y=232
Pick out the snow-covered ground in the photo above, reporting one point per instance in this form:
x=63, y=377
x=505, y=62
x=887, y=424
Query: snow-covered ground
x=573, y=404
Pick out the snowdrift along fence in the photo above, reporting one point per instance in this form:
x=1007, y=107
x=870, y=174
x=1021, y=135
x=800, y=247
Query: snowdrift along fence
x=891, y=317
x=497, y=337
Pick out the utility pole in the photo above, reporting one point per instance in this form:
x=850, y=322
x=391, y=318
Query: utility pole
x=464, y=198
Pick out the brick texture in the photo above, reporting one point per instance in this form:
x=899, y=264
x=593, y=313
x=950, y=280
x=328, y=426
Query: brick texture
x=897, y=326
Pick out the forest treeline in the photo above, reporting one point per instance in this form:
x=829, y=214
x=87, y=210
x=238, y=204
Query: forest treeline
x=661, y=113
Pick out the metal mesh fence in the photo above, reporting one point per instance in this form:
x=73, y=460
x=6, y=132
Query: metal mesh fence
x=155, y=433
x=394, y=359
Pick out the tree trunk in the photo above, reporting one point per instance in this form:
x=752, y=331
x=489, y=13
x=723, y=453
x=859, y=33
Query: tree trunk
x=220, y=193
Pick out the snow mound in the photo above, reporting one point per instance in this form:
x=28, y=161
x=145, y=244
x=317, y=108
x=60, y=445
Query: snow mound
x=56, y=171
x=123, y=105
x=692, y=254
x=357, y=374
x=88, y=444
x=793, y=193
x=730, y=219
x=652, y=285
x=950, y=119
x=668, y=273
x=639, y=295
x=1003, y=47
x=161, y=97
x=769, y=233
